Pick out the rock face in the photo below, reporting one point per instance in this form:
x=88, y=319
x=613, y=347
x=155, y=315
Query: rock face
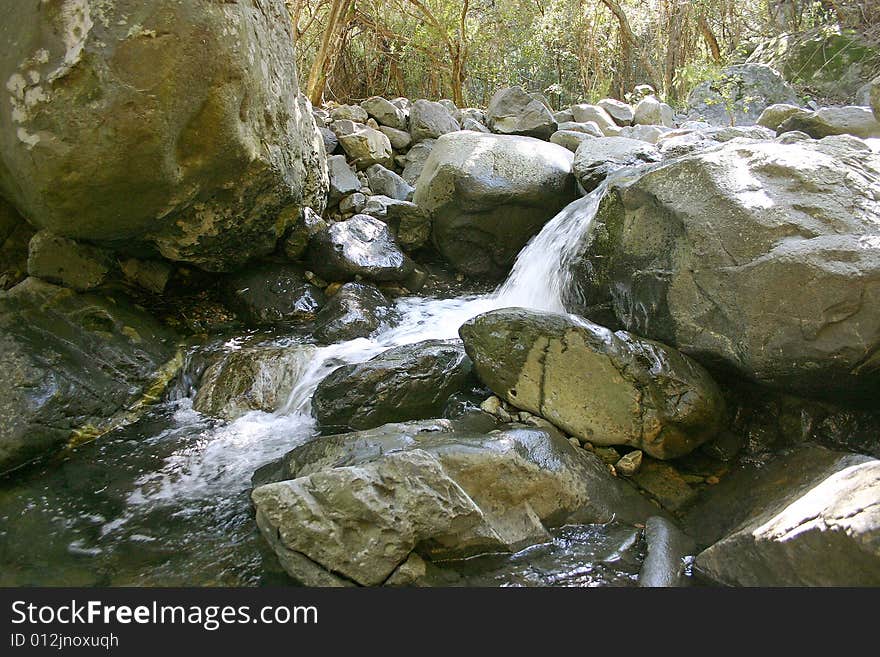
x=603, y=387
x=429, y=120
x=71, y=364
x=809, y=518
x=361, y=246
x=513, y=111
x=224, y=148
x=595, y=159
x=405, y=383
x=739, y=95
x=353, y=508
x=856, y=121
x=703, y=254
x=355, y=311
x=489, y=194
x=272, y=293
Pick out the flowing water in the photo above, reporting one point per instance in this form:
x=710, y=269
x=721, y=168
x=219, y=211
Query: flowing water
x=164, y=501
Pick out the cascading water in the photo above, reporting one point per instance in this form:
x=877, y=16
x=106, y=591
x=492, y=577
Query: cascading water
x=196, y=471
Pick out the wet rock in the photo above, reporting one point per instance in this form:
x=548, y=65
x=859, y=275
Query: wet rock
x=342, y=179
x=650, y=111
x=856, y=121
x=404, y=383
x=68, y=263
x=512, y=111
x=387, y=183
x=739, y=95
x=385, y=112
x=602, y=387
x=428, y=120
x=251, y=379
x=366, y=146
x=361, y=246
x=221, y=147
x=668, y=548
x=595, y=159
x=665, y=484
x=15, y=235
x=355, y=311
x=422, y=488
x=273, y=293
x=621, y=112
x=666, y=255
x=411, y=224
x=72, y=366
x=489, y=194
x=307, y=226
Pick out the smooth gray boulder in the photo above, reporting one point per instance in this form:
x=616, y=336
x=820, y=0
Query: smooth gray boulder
x=489, y=194
x=668, y=551
x=223, y=149
x=569, y=139
x=585, y=113
x=621, y=112
x=702, y=254
x=415, y=159
x=596, y=158
x=385, y=182
x=857, y=121
x=385, y=112
x=650, y=111
x=739, y=94
x=342, y=179
x=589, y=128
x=775, y=115
x=349, y=113
x=513, y=111
x=272, y=293
x=602, y=387
x=355, y=311
x=410, y=223
x=365, y=147
x=429, y=120
x=400, y=140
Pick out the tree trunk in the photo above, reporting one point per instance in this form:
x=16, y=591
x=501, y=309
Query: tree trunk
x=328, y=51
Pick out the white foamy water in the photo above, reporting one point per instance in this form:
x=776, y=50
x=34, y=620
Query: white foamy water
x=220, y=462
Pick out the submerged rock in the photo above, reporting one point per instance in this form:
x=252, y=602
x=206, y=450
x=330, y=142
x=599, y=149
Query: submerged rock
x=355, y=311
x=602, y=387
x=410, y=382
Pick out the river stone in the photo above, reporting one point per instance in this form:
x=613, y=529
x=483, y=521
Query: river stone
x=584, y=113
x=601, y=387
x=68, y=263
x=809, y=518
x=489, y=194
x=468, y=123
x=361, y=504
x=343, y=181
x=251, y=379
x=650, y=111
x=648, y=133
x=355, y=311
x=569, y=139
x=365, y=147
x=702, y=254
x=400, y=139
x=739, y=94
x=621, y=112
x=777, y=114
x=410, y=223
x=360, y=246
x=309, y=224
x=596, y=158
x=149, y=275
x=512, y=111
x=331, y=141
x=590, y=128
x=668, y=547
x=415, y=159
x=385, y=112
x=429, y=120
x=404, y=383
x=354, y=113
x=856, y=121
x=71, y=365
x=272, y=293
x=387, y=183
x=221, y=147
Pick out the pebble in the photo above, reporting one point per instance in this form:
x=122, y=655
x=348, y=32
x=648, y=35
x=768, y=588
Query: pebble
x=630, y=463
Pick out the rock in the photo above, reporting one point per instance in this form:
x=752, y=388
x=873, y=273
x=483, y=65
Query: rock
x=648, y=133
x=307, y=226
x=665, y=484
x=449, y=105
x=353, y=203
x=68, y=263
x=489, y=194
x=411, y=382
x=385, y=112
x=359, y=505
x=387, y=183
x=641, y=91
x=73, y=366
x=585, y=113
x=355, y=311
x=650, y=111
x=360, y=246
x=856, y=121
x=468, y=123
x=342, y=179
x=251, y=379
x=149, y=275
x=563, y=116
x=400, y=139
x=366, y=147
x=429, y=120
x=602, y=387
x=678, y=143
x=629, y=464
x=349, y=113
x=595, y=159
x=415, y=160
x=15, y=235
x=222, y=148
x=411, y=224
x=875, y=97
x=681, y=271
x=739, y=95
x=668, y=547
x=590, y=128
x=330, y=140
x=473, y=113
x=345, y=127
x=512, y=111
x=621, y=112
x=569, y=139
x=271, y=293
x=609, y=455
x=809, y=518
x=775, y=115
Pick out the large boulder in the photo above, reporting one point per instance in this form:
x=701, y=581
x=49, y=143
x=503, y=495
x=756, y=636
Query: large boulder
x=650, y=111
x=603, y=387
x=489, y=194
x=343, y=180
x=387, y=183
x=356, y=507
x=703, y=253
x=827, y=121
x=199, y=99
x=810, y=517
x=66, y=262
x=72, y=366
x=410, y=223
x=513, y=111
x=411, y=382
x=272, y=293
x=361, y=246
x=585, y=113
x=739, y=94
x=365, y=146
x=621, y=112
x=355, y=311
x=385, y=112
x=595, y=159
x=429, y=120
